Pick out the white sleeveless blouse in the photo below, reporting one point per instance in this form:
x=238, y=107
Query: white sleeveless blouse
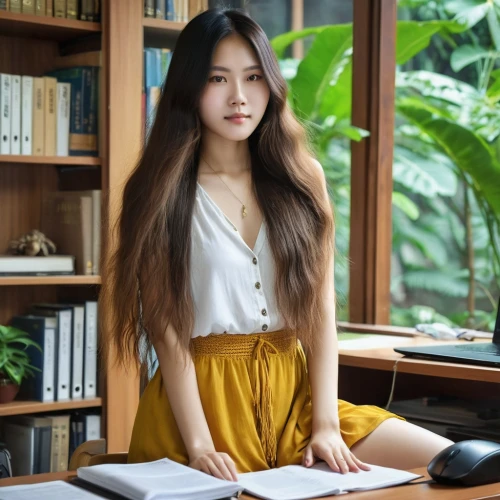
x=232, y=285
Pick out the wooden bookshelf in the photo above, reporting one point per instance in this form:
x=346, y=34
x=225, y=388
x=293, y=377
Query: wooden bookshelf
x=49, y=280
x=45, y=28
x=51, y=160
x=23, y=407
x=161, y=33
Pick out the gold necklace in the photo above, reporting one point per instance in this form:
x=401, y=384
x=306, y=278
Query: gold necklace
x=243, y=208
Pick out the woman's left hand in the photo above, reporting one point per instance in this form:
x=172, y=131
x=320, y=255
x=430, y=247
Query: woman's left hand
x=329, y=446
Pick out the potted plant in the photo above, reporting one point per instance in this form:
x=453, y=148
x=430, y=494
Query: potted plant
x=14, y=361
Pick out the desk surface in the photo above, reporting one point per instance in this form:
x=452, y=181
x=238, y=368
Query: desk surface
x=384, y=358
x=414, y=491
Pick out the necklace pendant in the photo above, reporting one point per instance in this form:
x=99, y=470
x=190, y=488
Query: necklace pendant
x=243, y=211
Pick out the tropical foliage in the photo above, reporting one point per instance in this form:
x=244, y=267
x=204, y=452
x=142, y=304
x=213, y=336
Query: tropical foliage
x=446, y=199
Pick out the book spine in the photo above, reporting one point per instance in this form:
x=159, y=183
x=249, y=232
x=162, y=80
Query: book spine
x=26, y=115
x=91, y=110
x=64, y=430
x=77, y=357
x=28, y=7
x=40, y=8
x=49, y=364
x=63, y=103
x=96, y=231
x=170, y=14
x=38, y=116
x=50, y=115
x=86, y=10
x=72, y=9
x=16, y=6
x=149, y=8
x=15, y=122
x=160, y=9
x=5, y=102
x=97, y=11
x=59, y=8
x=90, y=363
x=3, y=4
x=49, y=8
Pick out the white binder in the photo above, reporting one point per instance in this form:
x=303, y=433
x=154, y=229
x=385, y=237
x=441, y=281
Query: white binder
x=90, y=353
x=77, y=354
x=27, y=115
x=62, y=120
x=49, y=359
x=5, y=105
x=15, y=120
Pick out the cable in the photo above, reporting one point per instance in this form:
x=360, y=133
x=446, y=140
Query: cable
x=394, y=368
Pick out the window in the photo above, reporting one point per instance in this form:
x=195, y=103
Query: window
x=446, y=197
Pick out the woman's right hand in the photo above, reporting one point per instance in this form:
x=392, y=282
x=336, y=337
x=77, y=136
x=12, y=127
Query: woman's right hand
x=216, y=464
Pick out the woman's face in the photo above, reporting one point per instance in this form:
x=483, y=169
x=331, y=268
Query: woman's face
x=236, y=93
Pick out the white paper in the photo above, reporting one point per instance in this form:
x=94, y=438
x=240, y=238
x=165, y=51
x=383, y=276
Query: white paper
x=54, y=490
x=295, y=482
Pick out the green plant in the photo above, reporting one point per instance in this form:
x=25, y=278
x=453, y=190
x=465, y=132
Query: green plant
x=14, y=360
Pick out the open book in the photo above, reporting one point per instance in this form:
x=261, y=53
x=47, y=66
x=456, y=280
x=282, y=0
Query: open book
x=165, y=479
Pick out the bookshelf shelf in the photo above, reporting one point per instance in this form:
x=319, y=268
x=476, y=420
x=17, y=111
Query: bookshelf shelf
x=160, y=33
x=51, y=160
x=24, y=407
x=49, y=280
x=43, y=27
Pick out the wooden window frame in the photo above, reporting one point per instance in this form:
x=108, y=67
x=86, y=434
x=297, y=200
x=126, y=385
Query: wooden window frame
x=374, y=71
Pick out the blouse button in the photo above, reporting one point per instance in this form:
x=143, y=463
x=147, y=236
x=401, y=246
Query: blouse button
x=254, y=260
x=257, y=285
x=264, y=327
x=264, y=312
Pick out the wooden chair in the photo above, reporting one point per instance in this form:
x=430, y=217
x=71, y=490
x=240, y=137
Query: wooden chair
x=94, y=453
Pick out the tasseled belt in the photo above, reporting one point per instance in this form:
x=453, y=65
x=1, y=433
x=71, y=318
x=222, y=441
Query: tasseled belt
x=258, y=348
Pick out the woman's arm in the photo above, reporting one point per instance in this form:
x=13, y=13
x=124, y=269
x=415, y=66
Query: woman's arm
x=326, y=442
x=179, y=378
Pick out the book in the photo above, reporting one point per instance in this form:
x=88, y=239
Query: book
x=15, y=120
x=90, y=351
x=38, y=116
x=30, y=447
x=28, y=7
x=67, y=221
x=26, y=115
x=64, y=319
x=40, y=7
x=60, y=442
x=62, y=120
x=165, y=479
x=50, y=115
x=5, y=112
x=55, y=490
x=41, y=386
x=27, y=265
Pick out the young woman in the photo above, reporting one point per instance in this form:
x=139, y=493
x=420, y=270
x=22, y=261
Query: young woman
x=224, y=265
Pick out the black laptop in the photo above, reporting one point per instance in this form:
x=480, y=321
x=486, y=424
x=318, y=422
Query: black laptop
x=477, y=354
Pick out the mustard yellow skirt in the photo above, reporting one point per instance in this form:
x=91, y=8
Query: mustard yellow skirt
x=256, y=397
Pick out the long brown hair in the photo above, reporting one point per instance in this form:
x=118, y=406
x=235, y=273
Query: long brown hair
x=151, y=262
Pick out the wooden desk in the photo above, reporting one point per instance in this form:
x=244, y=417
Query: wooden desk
x=365, y=375
x=413, y=491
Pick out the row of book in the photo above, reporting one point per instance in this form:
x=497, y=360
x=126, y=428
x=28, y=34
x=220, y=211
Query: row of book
x=67, y=362
x=156, y=64
x=174, y=10
x=52, y=115
x=85, y=10
x=45, y=443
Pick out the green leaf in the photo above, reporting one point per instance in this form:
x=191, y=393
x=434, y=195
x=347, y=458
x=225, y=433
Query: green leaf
x=422, y=174
x=466, y=149
x=281, y=42
x=415, y=36
x=472, y=15
x=467, y=54
x=437, y=281
x=324, y=62
x=406, y=205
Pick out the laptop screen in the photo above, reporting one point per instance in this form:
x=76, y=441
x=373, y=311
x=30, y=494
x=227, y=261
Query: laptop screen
x=496, y=333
